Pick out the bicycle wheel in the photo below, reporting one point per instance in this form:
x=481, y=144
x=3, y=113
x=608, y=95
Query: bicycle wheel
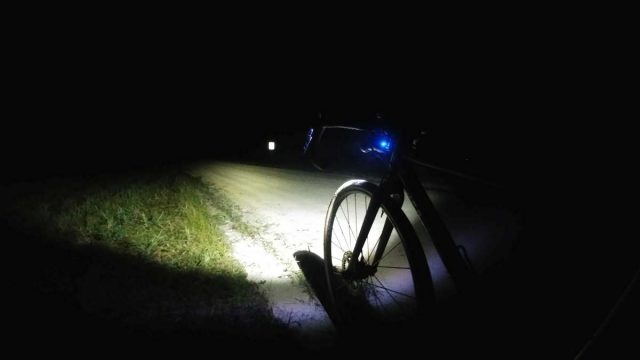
x=395, y=288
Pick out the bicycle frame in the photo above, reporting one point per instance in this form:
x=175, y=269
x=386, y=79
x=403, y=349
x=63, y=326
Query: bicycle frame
x=401, y=177
x=460, y=272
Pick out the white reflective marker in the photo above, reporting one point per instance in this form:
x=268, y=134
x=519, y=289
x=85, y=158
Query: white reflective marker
x=272, y=145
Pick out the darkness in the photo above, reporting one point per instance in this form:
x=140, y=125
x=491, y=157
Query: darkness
x=521, y=117
x=126, y=98
x=86, y=121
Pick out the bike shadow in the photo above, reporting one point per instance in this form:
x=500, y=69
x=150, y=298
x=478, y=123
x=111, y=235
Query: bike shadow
x=355, y=312
x=313, y=269
x=359, y=324
x=437, y=335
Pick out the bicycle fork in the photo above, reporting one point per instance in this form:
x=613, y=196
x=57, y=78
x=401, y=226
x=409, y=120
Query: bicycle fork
x=357, y=268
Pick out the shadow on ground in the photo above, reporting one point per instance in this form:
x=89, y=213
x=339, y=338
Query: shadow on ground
x=67, y=297
x=514, y=312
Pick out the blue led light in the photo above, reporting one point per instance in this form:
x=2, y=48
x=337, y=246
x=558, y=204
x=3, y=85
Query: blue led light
x=385, y=144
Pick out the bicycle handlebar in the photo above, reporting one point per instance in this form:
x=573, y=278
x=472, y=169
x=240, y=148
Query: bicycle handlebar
x=380, y=143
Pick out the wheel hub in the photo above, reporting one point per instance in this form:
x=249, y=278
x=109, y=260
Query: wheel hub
x=359, y=271
x=346, y=259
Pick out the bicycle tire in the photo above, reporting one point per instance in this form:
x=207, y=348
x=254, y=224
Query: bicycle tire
x=369, y=300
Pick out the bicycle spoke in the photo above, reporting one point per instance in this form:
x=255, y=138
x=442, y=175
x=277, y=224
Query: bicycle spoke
x=355, y=211
x=348, y=223
x=376, y=245
x=390, y=290
x=389, y=293
x=394, y=267
x=375, y=298
x=375, y=293
x=333, y=231
x=342, y=231
x=388, y=252
x=366, y=207
x=338, y=246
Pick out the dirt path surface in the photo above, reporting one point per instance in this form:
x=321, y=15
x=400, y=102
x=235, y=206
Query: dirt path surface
x=289, y=206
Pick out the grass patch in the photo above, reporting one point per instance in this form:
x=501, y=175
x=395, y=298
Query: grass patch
x=163, y=218
x=141, y=249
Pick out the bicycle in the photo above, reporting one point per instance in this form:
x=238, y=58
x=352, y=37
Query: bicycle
x=375, y=266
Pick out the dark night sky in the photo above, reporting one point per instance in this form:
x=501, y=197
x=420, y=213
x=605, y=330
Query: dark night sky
x=102, y=97
x=84, y=116
x=148, y=87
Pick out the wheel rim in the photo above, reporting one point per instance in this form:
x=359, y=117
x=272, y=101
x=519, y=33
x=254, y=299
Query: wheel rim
x=387, y=286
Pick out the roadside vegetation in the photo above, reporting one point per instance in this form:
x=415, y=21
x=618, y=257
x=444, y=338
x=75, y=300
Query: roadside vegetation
x=143, y=251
